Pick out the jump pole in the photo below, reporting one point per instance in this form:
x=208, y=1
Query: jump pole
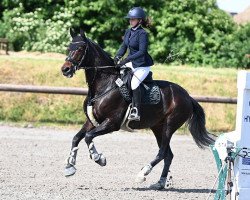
x=242, y=164
x=234, y=147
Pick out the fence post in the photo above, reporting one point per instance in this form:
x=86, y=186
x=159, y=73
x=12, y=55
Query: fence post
x=4, y=44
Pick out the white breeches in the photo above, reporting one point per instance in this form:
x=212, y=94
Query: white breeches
x=139, y=74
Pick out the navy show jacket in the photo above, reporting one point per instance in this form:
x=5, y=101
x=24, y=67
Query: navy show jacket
x=137, y=42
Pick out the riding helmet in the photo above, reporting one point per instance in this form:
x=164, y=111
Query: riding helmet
x=137, y=13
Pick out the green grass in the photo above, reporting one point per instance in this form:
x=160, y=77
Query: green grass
x=67, y=109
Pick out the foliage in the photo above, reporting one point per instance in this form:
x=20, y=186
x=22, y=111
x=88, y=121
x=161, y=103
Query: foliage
x=233, y=53
x=185, y=31
x=32, y=31
x=104, y=20
x=194, y=29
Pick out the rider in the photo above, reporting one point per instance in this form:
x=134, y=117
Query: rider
x=136, y=39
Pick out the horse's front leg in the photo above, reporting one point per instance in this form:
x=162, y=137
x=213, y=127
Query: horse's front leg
x=71, y=160
x=105, y=127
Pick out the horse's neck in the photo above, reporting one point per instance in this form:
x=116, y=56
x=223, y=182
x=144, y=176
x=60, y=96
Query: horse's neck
x=98, y=80
x=101, y=83
x=105, y=81
x=101, y=58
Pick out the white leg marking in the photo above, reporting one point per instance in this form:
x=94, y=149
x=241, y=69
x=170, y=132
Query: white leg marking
x=144, y=172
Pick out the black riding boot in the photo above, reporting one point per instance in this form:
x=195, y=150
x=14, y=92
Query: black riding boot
x=135, y=113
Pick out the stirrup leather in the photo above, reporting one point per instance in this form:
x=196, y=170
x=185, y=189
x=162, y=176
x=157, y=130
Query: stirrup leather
x=133, y=115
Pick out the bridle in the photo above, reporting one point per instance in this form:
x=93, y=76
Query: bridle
x=77, y=64
x=80, y=64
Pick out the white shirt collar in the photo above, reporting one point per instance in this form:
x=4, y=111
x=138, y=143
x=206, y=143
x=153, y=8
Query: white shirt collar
x=136, y=27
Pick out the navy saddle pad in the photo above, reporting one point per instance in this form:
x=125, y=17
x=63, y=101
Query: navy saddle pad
x=150, y=91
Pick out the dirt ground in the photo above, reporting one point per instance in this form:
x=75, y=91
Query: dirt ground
x=32, y=163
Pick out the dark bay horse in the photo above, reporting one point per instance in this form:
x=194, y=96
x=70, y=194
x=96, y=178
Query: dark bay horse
x=105, y=108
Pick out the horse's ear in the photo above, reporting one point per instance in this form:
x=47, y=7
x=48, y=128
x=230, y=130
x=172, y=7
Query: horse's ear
x=72, y=32
x=83, y=34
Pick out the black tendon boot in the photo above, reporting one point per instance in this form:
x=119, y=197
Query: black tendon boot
x=136, y=101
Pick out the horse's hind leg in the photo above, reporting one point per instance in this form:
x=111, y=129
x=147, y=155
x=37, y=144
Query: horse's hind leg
x=163, y=179
x=163, y=135
x=163, y=139
x=71, y=160
x=158, y=130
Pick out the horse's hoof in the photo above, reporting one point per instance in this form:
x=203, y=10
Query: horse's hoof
x=140, y=179
x=102, y=160
x=162, y=183
x=157, y=186
x=69, y=171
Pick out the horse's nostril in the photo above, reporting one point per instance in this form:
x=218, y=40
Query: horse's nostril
x=66, y=69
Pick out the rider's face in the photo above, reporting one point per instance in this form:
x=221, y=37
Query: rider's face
x=134, y=22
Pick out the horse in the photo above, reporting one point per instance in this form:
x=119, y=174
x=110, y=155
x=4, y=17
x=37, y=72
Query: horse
x=105, y=108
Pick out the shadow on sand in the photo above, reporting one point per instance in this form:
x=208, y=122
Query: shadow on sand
x=178, y=190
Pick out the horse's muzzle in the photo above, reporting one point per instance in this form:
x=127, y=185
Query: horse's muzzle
x=67, y=71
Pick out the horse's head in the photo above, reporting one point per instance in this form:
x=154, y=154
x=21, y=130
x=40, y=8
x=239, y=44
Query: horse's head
x=77, y=53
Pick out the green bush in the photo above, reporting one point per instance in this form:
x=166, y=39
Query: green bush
x=185, y=31
x=193, y=29
x=238, y=45
x=32, y=32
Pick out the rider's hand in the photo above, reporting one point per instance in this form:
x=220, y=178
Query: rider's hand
x=117, y=59
x=123, y=62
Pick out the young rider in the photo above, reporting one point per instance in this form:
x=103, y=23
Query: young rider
x=136, y=40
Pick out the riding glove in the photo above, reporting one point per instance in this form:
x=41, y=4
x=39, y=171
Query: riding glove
x=122, y=62
x=117, y=59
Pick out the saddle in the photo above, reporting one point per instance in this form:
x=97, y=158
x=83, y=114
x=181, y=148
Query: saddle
x=150, y=91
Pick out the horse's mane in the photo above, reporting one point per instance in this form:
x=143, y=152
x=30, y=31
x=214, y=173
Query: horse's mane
x=100, y=50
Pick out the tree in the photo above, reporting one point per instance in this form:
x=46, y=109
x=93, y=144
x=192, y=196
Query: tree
x=233, y=53
x=104, y=20
x=193, y=29
x=184, y=31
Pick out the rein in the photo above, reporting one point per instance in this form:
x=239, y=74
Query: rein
x=103, y=94
x=97, y=67
x=92, y=100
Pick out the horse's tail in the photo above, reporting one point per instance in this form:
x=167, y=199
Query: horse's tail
x=196, y=125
